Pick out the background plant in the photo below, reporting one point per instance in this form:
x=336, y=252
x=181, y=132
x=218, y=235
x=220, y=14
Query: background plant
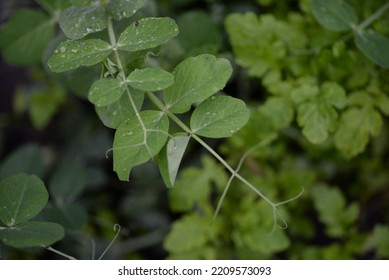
x=309, y=83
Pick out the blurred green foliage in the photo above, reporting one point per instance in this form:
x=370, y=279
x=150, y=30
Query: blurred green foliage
x=320, y=97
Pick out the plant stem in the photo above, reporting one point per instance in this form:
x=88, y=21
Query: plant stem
x=59, y=253
x=372, y=18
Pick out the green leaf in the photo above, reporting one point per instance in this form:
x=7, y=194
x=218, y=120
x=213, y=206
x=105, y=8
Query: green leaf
x=67, y=182
x=106, y=91
x=32, y=234
x=25, y=36
x=77, y=22
x=196, y=79
x=150, y=79
x=381, y=236
x=188, y=233
x=219, y=116
x=331, y=206
x=375, y=46
x=53, y=6
x=355, y=127
x=137, y=141
x=44, y=104
x=22, y=197
x=278, y=110
x=147, y=33
x=318, y=116
x=119, y=111
x=71, y=217
x=80, y=3
x=119, y=9
x=170, y=158
x=27, y=159
x=73, y=54
x=335, y=15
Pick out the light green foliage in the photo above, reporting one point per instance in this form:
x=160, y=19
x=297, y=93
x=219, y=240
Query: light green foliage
x=170, y=157
x=333, y=212
x=335, y=15
x=106, y=91
x=22, y=197
x=25, y=36
x=70, y=55
x=147, y=33
x=381, y=236
x=137, y=140
x=219, y=116
x=196, y=79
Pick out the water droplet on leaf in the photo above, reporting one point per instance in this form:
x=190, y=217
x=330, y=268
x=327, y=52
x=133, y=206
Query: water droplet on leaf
x=89, y=29
x=62, y=49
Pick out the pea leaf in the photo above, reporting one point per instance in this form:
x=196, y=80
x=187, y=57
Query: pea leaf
x=53, y=6
x=335, y=15
x=22, y=197
x=25, y=36
x=119, y=9
x=32, y=234
x=80, y=3
x=150, y=79
x=375, y=46
x=196, y=79
x=66, y=183
x=219, y=116
x=73, y=54
x=355, y=127
x=147, y=33
x=138, y=141
x=77, y=22
x=70, y=216
x=27, y=159
x=106, y=91
x=114, y=114
x=170, y=158
x=381, y=236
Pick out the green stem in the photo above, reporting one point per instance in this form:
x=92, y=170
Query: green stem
x=372, y=18
x=59, y=253
x=162, y=107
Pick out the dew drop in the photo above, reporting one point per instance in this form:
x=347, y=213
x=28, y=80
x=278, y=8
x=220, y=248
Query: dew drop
x=62, y=49
x=213, y=97
x=74, y=51
x=89, y=29
x=56, y=51
x=114, y=113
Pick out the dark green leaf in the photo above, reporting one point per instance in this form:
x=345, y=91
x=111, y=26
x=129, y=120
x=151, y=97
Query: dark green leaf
x=32, y=234
x=73, y=54
x=196, y=79
x=335, y=15
x=27, y=159
x=22, y=197
x=121, y=110
x=138, y=140
x=119, y=9
x=374, y=46
x=219, y=116
x=25, y=36
x=77, y=22
x=170, y=157
x=106, y=91
x=67, y=182
x=147, y=33
x=80, y=3
x=150, y=79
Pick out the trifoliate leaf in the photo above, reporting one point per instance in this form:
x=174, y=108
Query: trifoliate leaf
x=219, y=116
x=335, y=15
x=73, y=54
x=196, y=79
x=147, y=33
x=137, y=140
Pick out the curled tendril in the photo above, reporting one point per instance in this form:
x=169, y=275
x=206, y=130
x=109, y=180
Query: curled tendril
x=116, y=228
